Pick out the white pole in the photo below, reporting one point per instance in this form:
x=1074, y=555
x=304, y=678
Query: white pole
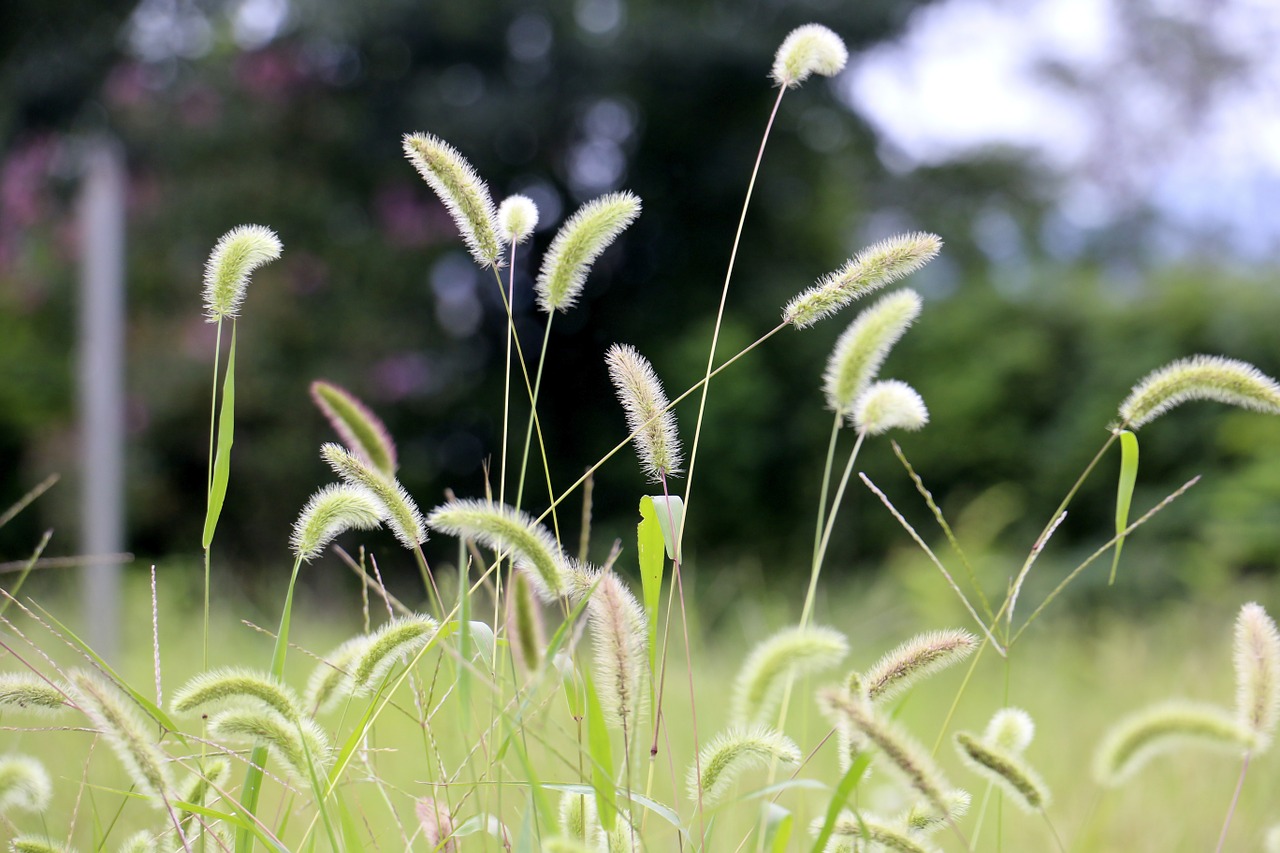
x=101, y=387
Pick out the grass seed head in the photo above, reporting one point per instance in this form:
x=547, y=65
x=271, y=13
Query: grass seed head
x=1005, y=768
x=926, y=818
x=360, y=429
x=517, y=218
x=1163, y=728
x=878, y=833
x=734, y=751
x=807, y=50
x=863, y=347
x=331, y=675
x=235, y=686
x=226, y=274
x=789, y=653
x=506, y=529
x=1010, y=729
x=26, y=691
x=619, y=632
x=656, y=438
x=122, y=726
x=37, y=844
x=464, y=195
x=1257, y=665
x=868, y=271
x=330, y=512
x=393, y=643
x=1200, y=377
x=889, y=404
x=300, y=745
x=587, y=233
x=401, y=513
x=437, y=824
x=140, y=842
x=24, y=784
x=916, y=659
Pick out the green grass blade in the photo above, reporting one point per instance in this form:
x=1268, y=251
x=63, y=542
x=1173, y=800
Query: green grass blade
x=1124, y=492
x=670, y=511
x=649, y=547
x=222, y=459
x=778, y=825
x=601, y=751
x=665, y=812
x=839, y=798
x=26, y=570
x=464, y=625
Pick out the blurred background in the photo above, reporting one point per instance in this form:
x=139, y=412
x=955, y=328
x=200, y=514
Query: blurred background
x=1103, y=172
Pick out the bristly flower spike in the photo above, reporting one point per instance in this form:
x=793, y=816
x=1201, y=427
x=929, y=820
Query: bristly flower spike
x=360, y=429
x=226, y=274
x=236, y=686
x=1006, y=769
x=335, y=509
x=1162, y=728
x=656, y=438
x=300, y=745
x=394, y=642
x=889, y=404
x=620, y=634
x=811, y=49
x=124, y=730
x=1257, y=665
x=517, y=217
x=916, y=659
x=734, y=751
x=27, y=691
x=1200, y=377
x=402, y=514
x=790, y=652
x=24, y=784
x=1010, y=729
x=863, y=347
x=507, y=529
x=587, y=233
x=466, y=197
x=868, y=271
x=37, y=844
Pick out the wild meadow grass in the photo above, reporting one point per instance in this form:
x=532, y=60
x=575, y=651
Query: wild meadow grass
x=547, y=691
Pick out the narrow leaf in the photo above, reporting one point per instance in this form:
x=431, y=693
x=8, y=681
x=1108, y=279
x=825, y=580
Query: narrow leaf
x=649, y=546
x=777, y=827
x=843, y=791
x=1124, y=492
x=222, y=459
x=671, y=516
x=601, y=751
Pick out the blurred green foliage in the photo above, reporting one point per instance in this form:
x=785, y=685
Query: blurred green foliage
x=1022, y=362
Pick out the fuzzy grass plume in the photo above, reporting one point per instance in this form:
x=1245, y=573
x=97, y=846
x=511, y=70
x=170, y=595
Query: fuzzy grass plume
x=506, y=529
x=140, y=842
x=330, y=512
x=904, y=755
x=656, y=437
x=393, y=643
x=324, y=687
x=38, y=844
x=465, y=196
x=1164, y=728
x=863, y=347
x=1200, y=377
x=879, y=834
x=889, y=404
x=925, y=818
x=226, y=274
x=299, y=745
x=620, y=634
x=401, y=513
x=360, y=429
x=811, y=49
x=1005, y=768
x=437, y=824
x=868, y=271
x=1011, y=729
x=1257, y=665
x=235, y=686
x=733, y=752
x=916, y=659
x=517, y=218
x=790, y=653
x=129, y=737
x=27, y=691
x=24, y=784
x=587, y=233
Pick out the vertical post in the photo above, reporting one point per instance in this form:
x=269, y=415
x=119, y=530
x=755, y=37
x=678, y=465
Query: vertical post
x=101, y=215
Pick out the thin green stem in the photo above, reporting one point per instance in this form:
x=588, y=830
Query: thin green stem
x=825, y=492
x=821, y=552
x=208, y=486
x=1235, y=800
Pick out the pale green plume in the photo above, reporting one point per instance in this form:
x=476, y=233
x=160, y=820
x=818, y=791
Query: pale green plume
x=506, y=529
x=882, y=834
x=517, y=217
x=904, y=755
x=1200, y=377
x=331, y=674
x=27, y=691
x=734, y=751
x=226, y=274
x=235, y=686
x=401, y=515
x=656, y=438
x=129, y=737
x=297, y=744
x=587, y=233
x=393, y=643
x=1005, y=768
x=1257, y=665
x=524, y=624
x=1010, y=729
x=577, y=815
x=38, y=844
x=811, y=49
x=790, y=653
x=868, y=271
x=889, y=404
x=916, y=659
x=330, y=512
x=863, y=347
x=1163, y=728
x=465, y=196
x=925, y=818
x=360, y=429
x=197, y=787
x=437, y=824
x=24, y=784
x=619, y=632
x=140, y=842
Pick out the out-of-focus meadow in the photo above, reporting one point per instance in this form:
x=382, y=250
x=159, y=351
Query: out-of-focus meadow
x=1063, y=280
